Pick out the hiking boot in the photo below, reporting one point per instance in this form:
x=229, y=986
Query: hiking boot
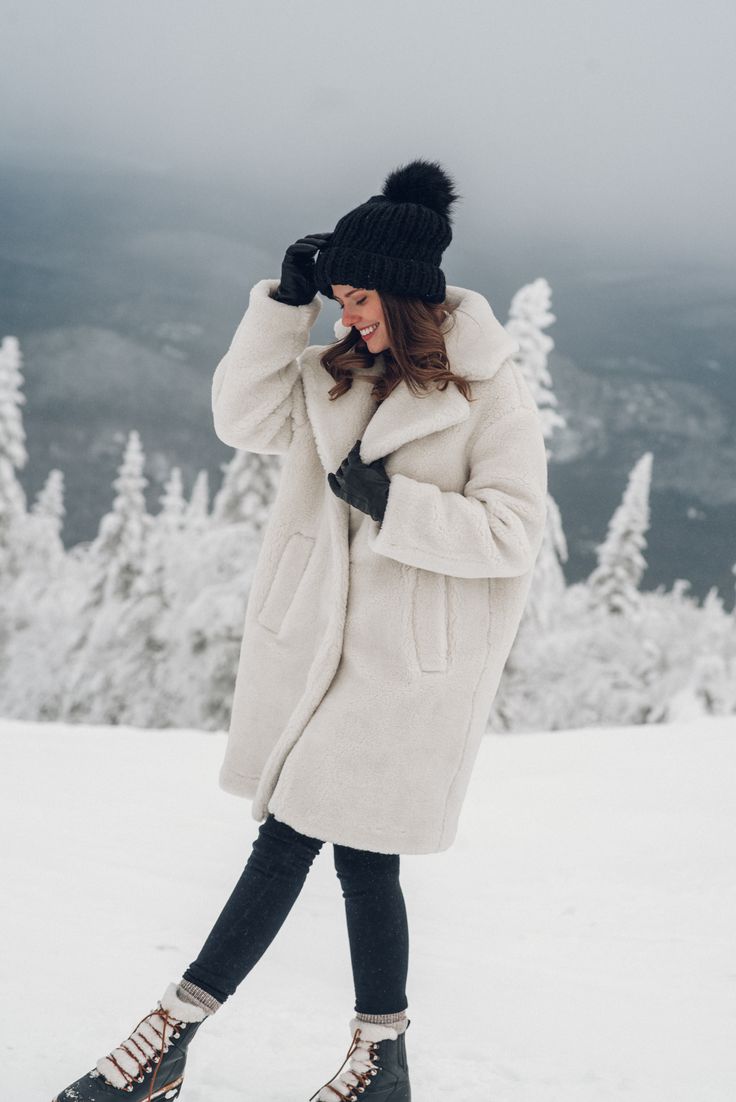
x=378, y=1070
x=149, y=1064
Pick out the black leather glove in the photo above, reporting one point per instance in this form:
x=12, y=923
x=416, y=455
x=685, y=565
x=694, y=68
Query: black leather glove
x=297, y=286
x=363, y=485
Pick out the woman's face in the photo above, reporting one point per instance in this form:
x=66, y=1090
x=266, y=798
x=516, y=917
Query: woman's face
x=362, y=310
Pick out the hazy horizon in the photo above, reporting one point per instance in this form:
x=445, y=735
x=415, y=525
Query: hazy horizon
x=608, y=124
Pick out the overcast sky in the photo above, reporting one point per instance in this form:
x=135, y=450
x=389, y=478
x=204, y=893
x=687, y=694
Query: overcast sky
x=588, y=118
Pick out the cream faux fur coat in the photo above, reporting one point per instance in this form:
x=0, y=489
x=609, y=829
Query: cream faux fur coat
x=368, y=666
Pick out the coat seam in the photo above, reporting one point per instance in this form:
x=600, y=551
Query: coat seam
x=401, y=547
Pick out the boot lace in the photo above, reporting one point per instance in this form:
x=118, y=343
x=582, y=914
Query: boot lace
x=144, y=1048
x=362, y=1068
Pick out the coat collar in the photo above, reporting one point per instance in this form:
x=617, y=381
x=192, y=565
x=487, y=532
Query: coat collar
x=477, y=344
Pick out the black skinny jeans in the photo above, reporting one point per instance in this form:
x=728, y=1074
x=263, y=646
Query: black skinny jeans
x=272, y=879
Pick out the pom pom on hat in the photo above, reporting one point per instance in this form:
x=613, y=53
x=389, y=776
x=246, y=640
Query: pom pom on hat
x=422, y=182
x=394, y=241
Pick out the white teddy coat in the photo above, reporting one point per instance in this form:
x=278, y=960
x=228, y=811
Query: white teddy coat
x=368, y=666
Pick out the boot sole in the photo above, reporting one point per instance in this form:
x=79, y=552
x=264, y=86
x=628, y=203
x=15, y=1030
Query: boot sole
x=161, y=1092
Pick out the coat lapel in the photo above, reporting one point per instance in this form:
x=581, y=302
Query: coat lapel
x=477, y=344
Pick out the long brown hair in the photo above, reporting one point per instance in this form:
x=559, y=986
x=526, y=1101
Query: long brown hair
x=417, y=352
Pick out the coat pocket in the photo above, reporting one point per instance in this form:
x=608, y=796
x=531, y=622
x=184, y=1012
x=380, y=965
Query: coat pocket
x=289, y=572
x=430, y=614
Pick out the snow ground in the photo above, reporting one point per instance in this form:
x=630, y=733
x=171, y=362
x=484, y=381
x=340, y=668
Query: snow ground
x=576, y=944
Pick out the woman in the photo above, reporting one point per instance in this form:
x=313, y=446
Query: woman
x=389, y=588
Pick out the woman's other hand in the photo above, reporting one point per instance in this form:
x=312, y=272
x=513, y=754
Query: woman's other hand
x=365, y=486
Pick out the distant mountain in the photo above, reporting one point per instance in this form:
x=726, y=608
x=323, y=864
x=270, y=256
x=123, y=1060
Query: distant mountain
x=125, y=292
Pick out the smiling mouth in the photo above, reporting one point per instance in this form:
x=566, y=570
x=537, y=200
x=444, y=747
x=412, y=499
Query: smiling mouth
x=368, y=331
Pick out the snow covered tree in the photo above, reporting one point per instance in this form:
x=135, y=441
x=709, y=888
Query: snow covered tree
x=197, y=510
x=173, y=503
x=43, y=549
x=182, y=624
x=529, y=316
x=49, y=503
x=115, y=561
x=614, y=583
x=143, y=633
x=709, y=688
x=248, y=489
x=548, y=580
x=116, y=554
x=209, y=629
x=214, y=562
x=13, y=456
x=39, y=611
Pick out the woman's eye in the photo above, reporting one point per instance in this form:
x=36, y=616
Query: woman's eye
x=359, y=301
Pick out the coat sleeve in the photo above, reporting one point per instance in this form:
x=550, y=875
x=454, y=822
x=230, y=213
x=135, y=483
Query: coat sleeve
x=495, y=527
x=252, y=388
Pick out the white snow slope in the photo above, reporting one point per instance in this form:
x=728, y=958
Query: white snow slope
x=576, y=944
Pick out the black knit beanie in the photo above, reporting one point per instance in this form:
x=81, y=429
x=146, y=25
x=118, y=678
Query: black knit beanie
x=394, y=241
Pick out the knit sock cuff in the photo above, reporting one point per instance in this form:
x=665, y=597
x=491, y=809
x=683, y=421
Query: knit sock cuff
x=397, y=1021
x=188, y=992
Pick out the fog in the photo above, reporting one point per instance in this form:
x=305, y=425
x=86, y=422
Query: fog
x=610, y=122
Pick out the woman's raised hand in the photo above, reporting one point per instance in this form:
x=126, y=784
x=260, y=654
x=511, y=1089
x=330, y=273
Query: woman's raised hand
x=297, y=286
